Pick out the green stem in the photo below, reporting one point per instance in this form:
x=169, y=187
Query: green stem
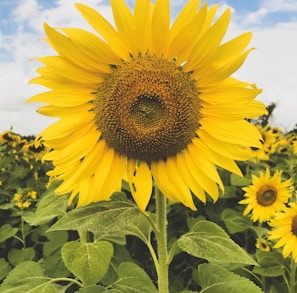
x=161, y=220
x=292, y=276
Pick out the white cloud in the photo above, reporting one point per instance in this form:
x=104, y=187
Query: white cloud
x=280, y=5
x=256, y=17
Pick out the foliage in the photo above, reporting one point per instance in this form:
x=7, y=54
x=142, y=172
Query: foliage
x=48, y=246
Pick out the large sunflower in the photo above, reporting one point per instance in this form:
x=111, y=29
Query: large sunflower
x=267, y=195
x=285, y=230
x=146, y=101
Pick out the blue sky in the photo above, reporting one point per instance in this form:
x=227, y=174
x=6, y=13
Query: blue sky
x=272, y=66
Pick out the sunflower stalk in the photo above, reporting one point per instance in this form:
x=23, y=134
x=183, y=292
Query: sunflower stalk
x=292, y=276
x=161, y=220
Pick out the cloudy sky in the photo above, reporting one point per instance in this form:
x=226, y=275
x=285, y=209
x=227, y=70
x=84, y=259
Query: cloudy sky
x=272, y=66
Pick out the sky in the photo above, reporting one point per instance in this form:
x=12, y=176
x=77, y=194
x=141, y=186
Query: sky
x=272, y=66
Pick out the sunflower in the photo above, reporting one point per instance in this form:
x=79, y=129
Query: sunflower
x=269, y=137
x=147, y=102
x=267, y=195
x=285, y=230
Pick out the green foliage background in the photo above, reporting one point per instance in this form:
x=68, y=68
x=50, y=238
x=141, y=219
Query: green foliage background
x=48, y=246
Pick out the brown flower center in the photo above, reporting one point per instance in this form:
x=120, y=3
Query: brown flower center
x=147, y=109
x=266, y=195
x=294, y=226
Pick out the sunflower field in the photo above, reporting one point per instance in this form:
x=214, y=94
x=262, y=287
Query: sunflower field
x=161, y=173
x=246, y=241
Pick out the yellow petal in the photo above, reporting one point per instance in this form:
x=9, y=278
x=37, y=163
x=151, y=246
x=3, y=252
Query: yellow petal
x=142, y=21
x=91, y=44
x=162, y=180
x=208, y=43
x=181, y=40
x=63, y=98
x=125, y=25
x=189, y=179
x=160, y=26
x=182, y=193
x=66, y=48
x=142, y=185
x=105, y=29
x=205, y=182
x=114, y=178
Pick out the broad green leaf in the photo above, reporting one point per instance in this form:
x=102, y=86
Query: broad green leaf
x=133, y=279
x=113, y=216
x=236, y=222
x=121, y=254
x=16, y=256
x=55, y=241
x=92, y=289
x=215, y=279
x=98, y=289
x=271, y=264
x=140, y=228
x=27, y=277
x=7, y=231
x=52, y=262
x=87, y=261
x=209, y=241
x=239, y=181
x=49, y=207
x=5, y=268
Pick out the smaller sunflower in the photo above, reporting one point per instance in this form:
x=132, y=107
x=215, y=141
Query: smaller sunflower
x=269, y=137
x=285, y=230
x=267, y=195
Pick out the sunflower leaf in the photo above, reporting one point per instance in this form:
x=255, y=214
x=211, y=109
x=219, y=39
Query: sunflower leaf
x=27, y=277
x=98, y=217
x=133, y=279
x=236, y=222
x=87, y=261
x=49, y=207
x=271, y=264
x=215, y=279
x=239, y=181
x=209, y=241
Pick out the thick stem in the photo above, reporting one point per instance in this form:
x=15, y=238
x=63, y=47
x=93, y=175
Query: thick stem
x=161, y=220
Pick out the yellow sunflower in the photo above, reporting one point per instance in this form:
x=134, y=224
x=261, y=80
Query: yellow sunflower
x=146, y=101
x=269, y=137
x=267, y=195
x=285, y=230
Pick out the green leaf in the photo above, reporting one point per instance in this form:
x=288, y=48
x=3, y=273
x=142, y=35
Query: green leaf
x=98, y=217
x=92, y=289
x=16, y=256
x=270, y=264
x=209, y=241
x=236, y=222
x=7, y=231
x=214, y=279
x=49, y=207
x=5, y=268
x=52, y=262
x=27, y=277
x=239, y=181
x=87, y=261
x=98, y=289
x=55, y=241
x=140, y=228
x=133, y=279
